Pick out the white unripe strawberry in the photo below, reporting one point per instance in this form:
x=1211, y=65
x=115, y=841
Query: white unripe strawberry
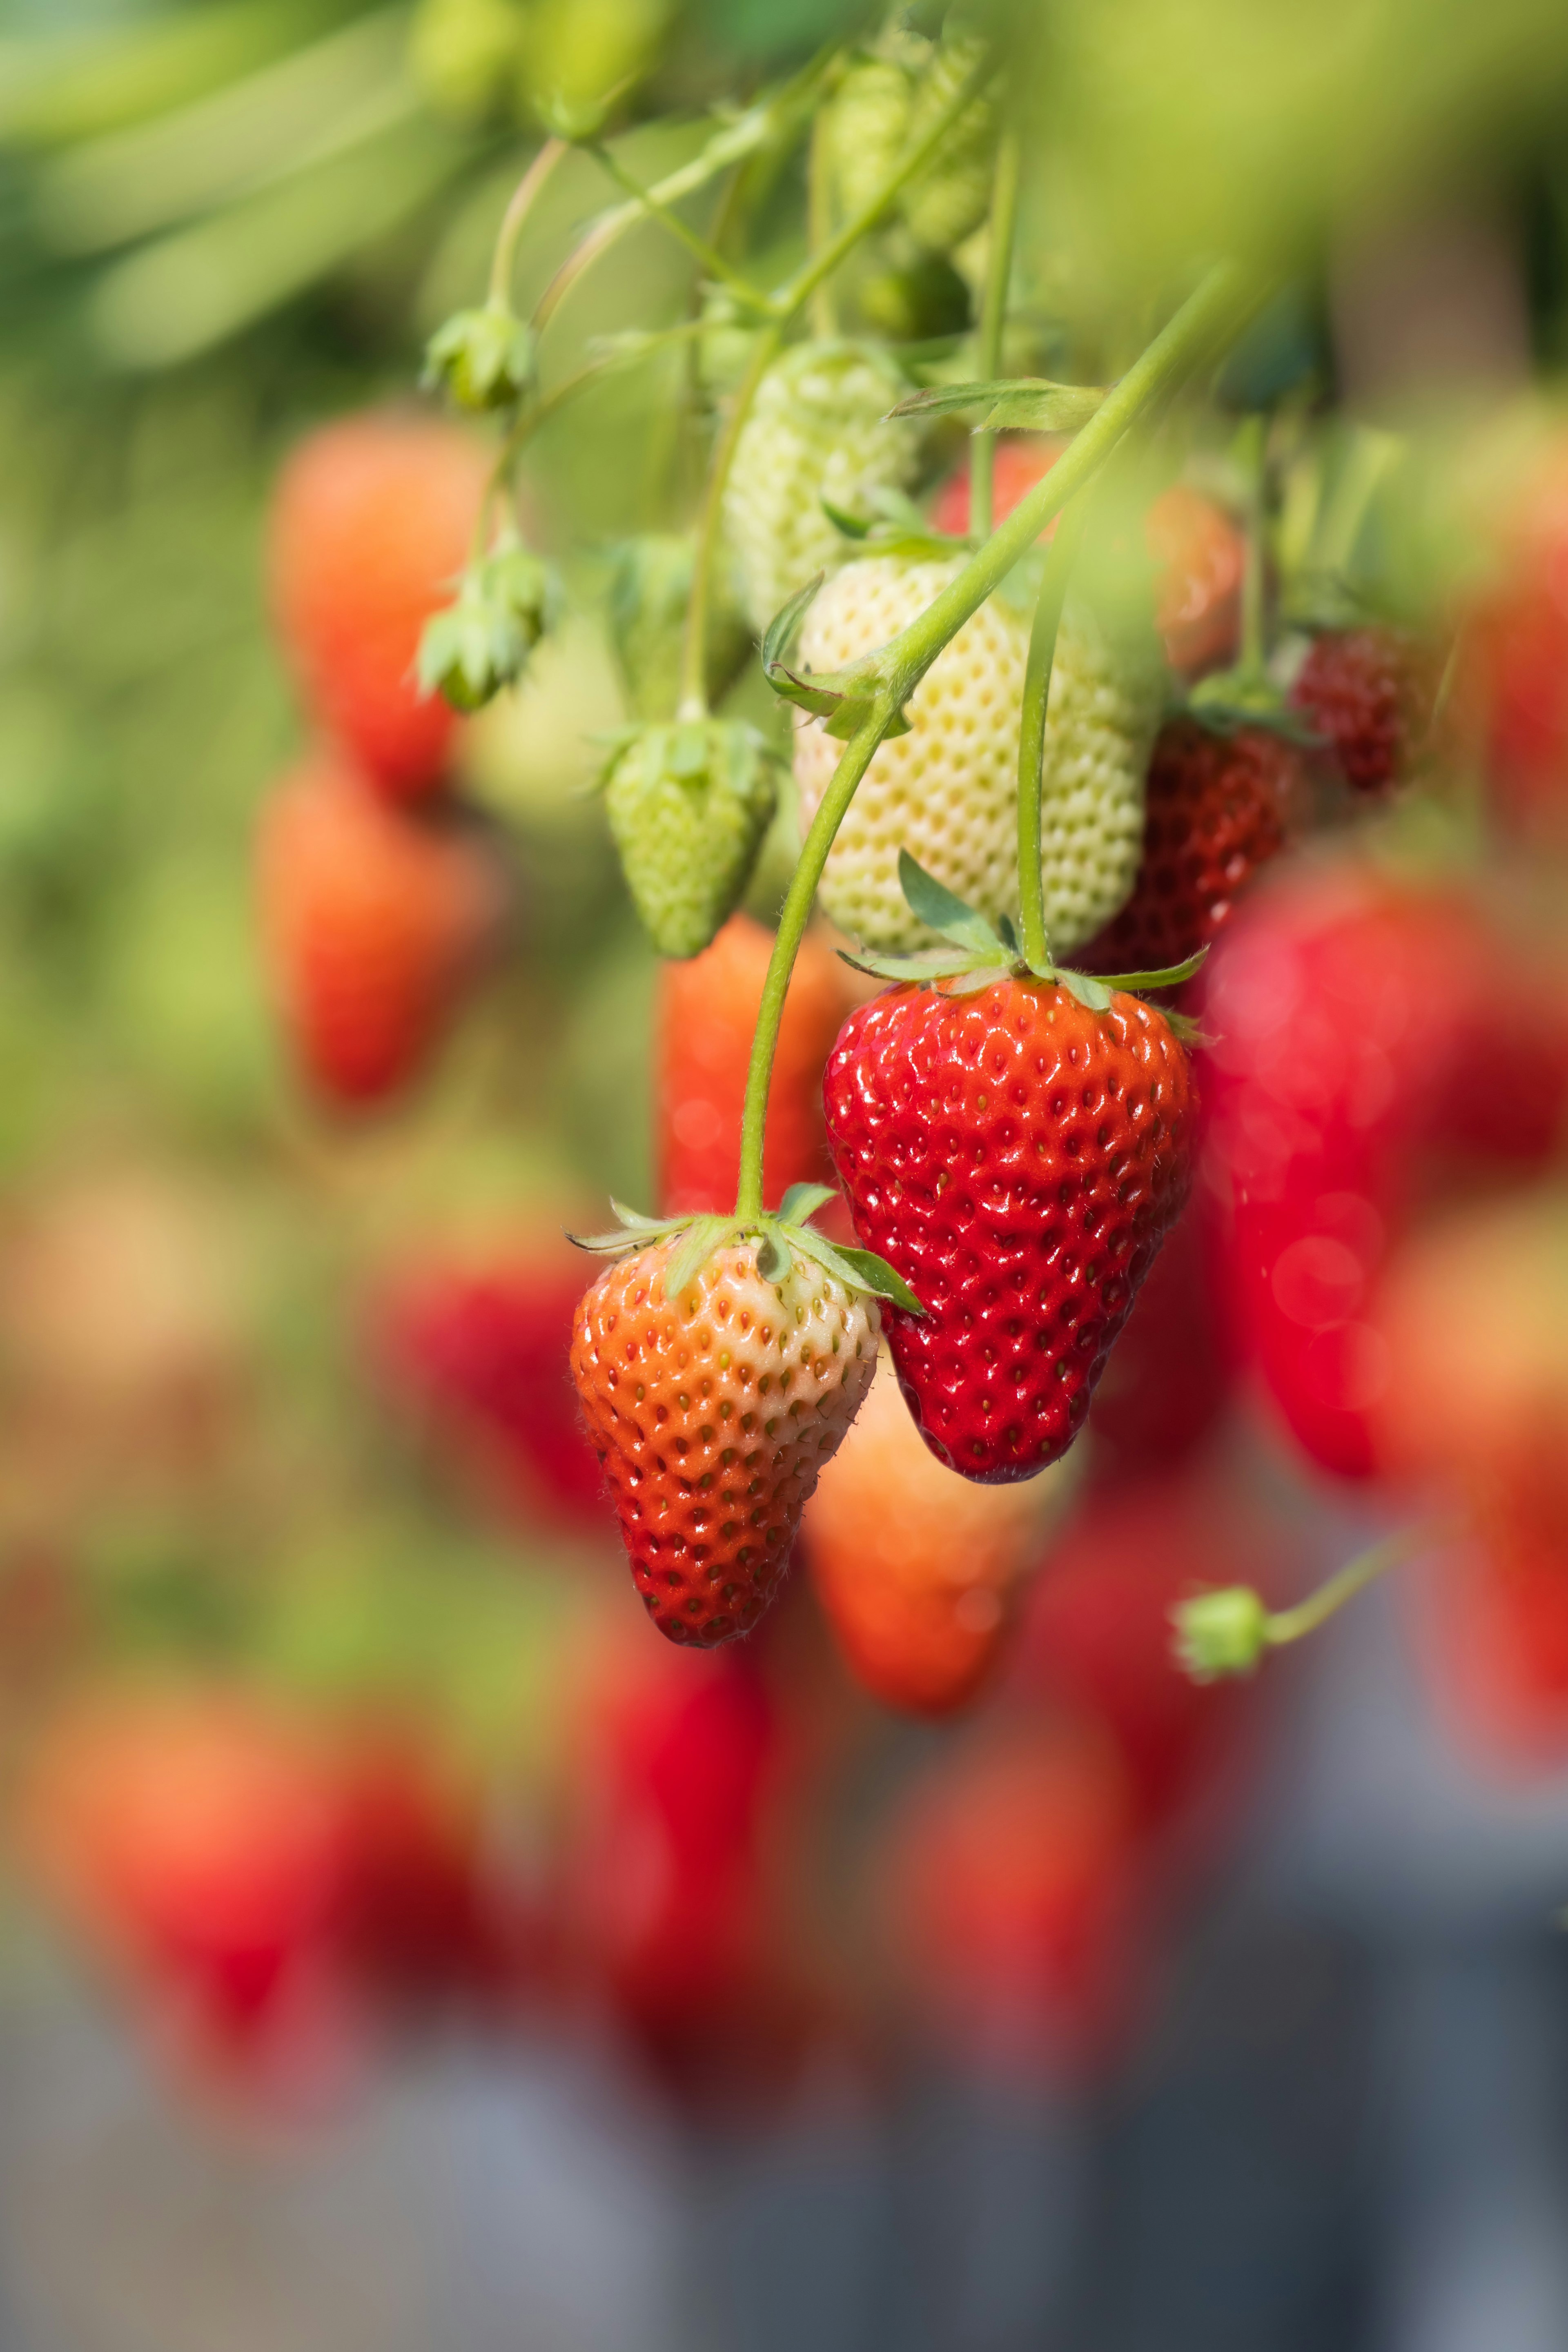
x=817, y=431
x=1107, y=699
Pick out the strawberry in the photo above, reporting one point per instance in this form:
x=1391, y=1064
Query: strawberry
x=1513, y=655
x=917, y=1569
x=947, y=202
x=1367, y=1031
x=1197, y=552
x=817, y=430
x=1106, y=695
x=1010, y=1893
x=371, y=523
x=706, y=1015
x=477, y=1346
x=374, y=922
x=1368, y=693
x=1217, y=806
x=1170, y=1376
x=688, y=806
x=1017, y=1153
x=867, y=125
x=713, y=1409
x=946, y=791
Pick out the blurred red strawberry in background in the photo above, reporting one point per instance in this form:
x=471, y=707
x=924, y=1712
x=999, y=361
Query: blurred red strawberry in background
x=375, y=923
x=1170, y=1375
x=1197, y=552
x=917, y=1569
x=372, y=520
x=1008, y=1875
x=706, y=1015
x=475, y=1345
x=1512, y=668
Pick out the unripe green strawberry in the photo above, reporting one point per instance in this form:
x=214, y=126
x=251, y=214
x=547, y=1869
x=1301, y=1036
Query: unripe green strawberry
x=650, y=588
x=688, y=805
x=952, y=197
x=1107, y=693
x=946, y=792
x=867, y=126
x=817, y=431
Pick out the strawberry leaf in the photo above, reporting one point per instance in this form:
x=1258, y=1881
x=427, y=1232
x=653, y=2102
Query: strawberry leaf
x=940, y=910
x=1019, y=404
x=802, y=1200
x=702, y=1238
x=857, y=1269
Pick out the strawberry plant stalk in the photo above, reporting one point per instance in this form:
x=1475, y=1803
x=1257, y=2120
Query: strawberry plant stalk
x=1032, y=934
x=992, y=321
x=516, y=215
x=1214, y=313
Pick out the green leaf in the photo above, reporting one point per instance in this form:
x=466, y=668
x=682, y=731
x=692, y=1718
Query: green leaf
x=859, y=1269
x=702, y=1238
x=801, y=1202
x=1021, y=403
x=780, y=631
x=940, y=910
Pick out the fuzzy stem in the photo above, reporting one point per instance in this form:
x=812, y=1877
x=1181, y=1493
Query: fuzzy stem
x=1060, y=558
x=1215, y=311
x=858, y=753
x=514, y=216
x=992, y=321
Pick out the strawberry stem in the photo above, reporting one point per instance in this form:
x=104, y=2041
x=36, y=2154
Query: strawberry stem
x=1253, y=439
x=992, y=321
x=1225, y=1631
x=514, y=216
x=1060, y=558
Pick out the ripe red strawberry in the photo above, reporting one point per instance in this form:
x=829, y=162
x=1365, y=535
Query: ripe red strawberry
x=1011, y=1895
x=1197, y=551
x=712, y=1414
x=1019, y=1159
x=375, y=923
x=1367, y=1033
x=370, y=524
x=1171, y=1374
x=1512, y=685
x=917, y=1569
x=478, y=1346
x=1370, y=693
x=1217, y=807
x=706, y=1015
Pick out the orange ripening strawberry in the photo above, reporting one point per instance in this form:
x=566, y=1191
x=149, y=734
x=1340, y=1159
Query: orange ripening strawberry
x=712, y=1412
x=706, y=1015
x=1010, y=1896
x=1217, y=806
x=1197, y=552
x=917, y=1569
x=372, y=521
x=1018, y=1157
x=375, y=923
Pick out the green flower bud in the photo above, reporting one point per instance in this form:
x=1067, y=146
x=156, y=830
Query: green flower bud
x=481, y=643
x=484, y=359
x=1220, y=1633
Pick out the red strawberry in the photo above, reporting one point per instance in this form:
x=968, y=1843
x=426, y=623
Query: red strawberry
x=1218, y=807
x=1019, y=1159
x=1366, y=1032
x=712, y=1414
x=372, y=521
x=917, y=1569
x=1198, y=553
x=479, y=1347
x=1170, y=1375
x=1010, y=1893
x=706, y=1015
x=375, y=923
x=1513, y=656
x=1370, y=693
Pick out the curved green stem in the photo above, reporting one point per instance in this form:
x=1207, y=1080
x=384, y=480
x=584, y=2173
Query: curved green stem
x=514, y=216
x=653, y=205
x=796, y=913
x=992, y=321
x=1059, y=558
x=1284, y=1625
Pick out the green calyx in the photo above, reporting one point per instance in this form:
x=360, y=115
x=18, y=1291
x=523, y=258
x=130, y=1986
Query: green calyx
x=980, y=953
x=505, y=602
x=1221, y=1634
x=688, y=804
x=785, y=1234
x=1231, y=699
x=483, y=359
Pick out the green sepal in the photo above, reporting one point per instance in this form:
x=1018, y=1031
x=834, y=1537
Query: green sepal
x=894, y=527
x=703, y=1236
x=1230, y=699
x=1092, y=993
x=481, y=643
x=779, y=632
x=801, y=1202
x=931, y=963
x=634, y=1222
x=773, y=1258
x=940, y=910
x=857, y=1269
x=825, y=697
x=1220, y=1633
x=484, y=358
x=1016, y=404
x=851, y=715
x=1135, y=984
